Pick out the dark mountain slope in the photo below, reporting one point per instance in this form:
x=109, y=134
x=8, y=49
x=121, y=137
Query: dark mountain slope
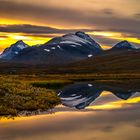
x=13, y=50
x=124, y=62
x=123, y=45
x=60, y=50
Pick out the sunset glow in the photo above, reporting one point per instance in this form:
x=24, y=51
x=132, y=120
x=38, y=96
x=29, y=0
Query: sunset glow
x=69, y=70
x=116, y=104
x=108, y=25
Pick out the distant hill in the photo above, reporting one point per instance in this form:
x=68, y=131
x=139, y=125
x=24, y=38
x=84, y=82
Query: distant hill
x=123, y=45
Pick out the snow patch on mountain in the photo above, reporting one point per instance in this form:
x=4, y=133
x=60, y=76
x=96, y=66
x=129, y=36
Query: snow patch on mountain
x=90, y=85
x=47, y=50
x=90, y=55
x=70, y=42
x=53, y=48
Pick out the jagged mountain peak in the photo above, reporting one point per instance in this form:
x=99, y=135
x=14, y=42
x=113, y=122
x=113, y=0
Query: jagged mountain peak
x=78, y=41
x=124, y=45
x=82, y=38
x=20, y=41
x=82, y=35
x=13, y=50
x=18, y=45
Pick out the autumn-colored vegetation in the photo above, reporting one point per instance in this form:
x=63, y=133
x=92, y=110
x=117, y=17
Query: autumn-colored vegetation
x=18, y=95
x=37, y=93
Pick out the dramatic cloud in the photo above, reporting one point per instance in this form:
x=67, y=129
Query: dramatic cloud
x=104, y=19
x=49, y=18
x=27, y=28
x=2, y=36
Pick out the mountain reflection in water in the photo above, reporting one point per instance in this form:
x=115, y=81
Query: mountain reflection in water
x=108, y=117
x=81, y=95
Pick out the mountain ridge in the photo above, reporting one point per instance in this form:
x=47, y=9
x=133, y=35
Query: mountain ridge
x=123, y=45
x=69, y=48
x=60, y=50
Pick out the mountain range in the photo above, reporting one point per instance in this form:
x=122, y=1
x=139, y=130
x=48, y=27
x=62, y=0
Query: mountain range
x=60, y=50
x=73, y=53
x=70, y=48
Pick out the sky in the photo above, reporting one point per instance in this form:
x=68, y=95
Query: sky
x=36, y=22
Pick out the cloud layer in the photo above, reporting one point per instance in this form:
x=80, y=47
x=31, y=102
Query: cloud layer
x=51, y=17
x=101, y=19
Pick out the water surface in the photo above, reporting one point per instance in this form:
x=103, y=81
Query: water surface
x=89, y=111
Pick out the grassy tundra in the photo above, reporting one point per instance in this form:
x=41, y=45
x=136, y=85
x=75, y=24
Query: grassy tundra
x=19, y=93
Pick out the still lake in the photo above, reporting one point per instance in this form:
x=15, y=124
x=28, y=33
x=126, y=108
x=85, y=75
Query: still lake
x=89, y=111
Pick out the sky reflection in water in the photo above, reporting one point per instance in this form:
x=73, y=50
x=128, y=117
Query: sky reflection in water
x=109, y=117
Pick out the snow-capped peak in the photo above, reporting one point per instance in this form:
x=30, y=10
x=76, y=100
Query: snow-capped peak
x=82, y=35
x=78, y=43
x=20, y=44
x=81, y=39
x=13, y=50
x=124, y=45
x=88, y=38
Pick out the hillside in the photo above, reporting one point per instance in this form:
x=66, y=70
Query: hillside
x=109, y=62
